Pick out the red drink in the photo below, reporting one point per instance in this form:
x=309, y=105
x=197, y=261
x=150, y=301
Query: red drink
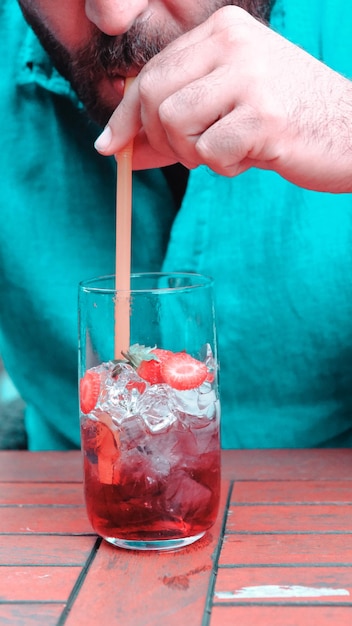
x=151, y=460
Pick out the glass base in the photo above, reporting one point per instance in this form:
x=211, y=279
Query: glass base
x=162, y=544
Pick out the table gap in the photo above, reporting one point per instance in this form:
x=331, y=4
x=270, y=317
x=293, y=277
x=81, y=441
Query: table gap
x=79, y=582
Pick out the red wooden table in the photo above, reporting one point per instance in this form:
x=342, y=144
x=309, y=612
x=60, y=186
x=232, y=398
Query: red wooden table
x=280, y=553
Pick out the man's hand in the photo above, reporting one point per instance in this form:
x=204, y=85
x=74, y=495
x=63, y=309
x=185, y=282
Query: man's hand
x=233, y=94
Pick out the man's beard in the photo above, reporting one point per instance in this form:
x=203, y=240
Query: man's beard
x=107, y=56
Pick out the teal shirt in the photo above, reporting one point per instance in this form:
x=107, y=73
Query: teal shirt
x=281, y=256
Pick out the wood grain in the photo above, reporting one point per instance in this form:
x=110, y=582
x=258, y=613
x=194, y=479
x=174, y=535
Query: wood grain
x=45, y=549
x=50, y=520
x=34, y=614
x=37, y=583
x=292, y=549
x=296, y=518
x=293, y=492
x=41, y=493
x=280, y=616
x=298, y=585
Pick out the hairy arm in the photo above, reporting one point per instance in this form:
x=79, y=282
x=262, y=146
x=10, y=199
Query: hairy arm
x=233, y=94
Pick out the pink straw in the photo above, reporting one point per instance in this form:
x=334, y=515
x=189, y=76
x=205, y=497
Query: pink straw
x=123, y=246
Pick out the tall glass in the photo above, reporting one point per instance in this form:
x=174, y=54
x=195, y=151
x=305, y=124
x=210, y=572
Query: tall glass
x=150, y=417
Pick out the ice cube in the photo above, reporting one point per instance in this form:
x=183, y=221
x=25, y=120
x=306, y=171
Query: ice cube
x=187, y=497
x=208, y=358
x=133, y=433
x=143, y=468
x=193, y=402
x=156, y=408
x=137, y=446
x=207, y=438
x=137, y=476
x=118, y=396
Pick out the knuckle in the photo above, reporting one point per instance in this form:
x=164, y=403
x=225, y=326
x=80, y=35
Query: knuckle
x=146, y=85
x=167, y=112
x=226, y=13
x=230, y=14
x=220, y=149
x=233, y=27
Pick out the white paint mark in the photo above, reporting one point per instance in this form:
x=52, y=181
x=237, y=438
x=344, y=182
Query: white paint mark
x=281, y=591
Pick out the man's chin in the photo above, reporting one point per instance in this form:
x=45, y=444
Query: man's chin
x=100, y=104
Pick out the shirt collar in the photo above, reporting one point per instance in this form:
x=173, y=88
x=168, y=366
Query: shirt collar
x=35, y=67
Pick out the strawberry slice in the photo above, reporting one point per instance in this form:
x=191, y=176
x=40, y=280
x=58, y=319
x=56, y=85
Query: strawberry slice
x=150, y=370
x=89, y=389
x=181, y=371
x=108, y=453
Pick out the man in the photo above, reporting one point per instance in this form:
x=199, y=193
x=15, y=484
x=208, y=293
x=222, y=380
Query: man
x=218, y=89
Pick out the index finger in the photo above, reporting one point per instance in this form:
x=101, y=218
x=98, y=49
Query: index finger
x=126, y=117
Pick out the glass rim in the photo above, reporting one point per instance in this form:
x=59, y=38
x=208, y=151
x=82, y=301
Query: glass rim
x=91, y=285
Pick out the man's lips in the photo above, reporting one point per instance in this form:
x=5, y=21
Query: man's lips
x=118, y=84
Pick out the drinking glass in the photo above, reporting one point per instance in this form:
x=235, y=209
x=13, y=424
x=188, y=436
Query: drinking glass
x=150, y=414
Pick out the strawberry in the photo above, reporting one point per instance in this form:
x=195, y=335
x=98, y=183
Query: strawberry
x=146, y=361
x=107, y=448
x=150, y=370
x=89, y=389
x=181, y=371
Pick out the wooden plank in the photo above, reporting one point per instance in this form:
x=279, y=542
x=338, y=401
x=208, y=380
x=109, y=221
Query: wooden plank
x=35, y=584
x=149, y=588
x=292, y=492
x=45, y=549
x=317, y=464
x=15, y=465
x=21, y=465
x=36, y=519
x=283, y=585
x=290, y=518
x=41, y=493
x=34, y=614
x=286, y=549
x=280, y=616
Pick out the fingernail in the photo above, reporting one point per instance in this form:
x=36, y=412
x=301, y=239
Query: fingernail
x=102, y=143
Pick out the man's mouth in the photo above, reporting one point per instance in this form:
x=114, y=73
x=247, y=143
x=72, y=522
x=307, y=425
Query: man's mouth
x=118, y=81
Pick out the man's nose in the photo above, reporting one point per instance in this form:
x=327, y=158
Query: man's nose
x=114, y=17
